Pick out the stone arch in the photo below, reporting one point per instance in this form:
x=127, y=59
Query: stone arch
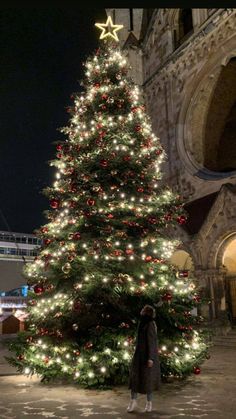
x=219, y=148
x=229, y=257
x=193, y=114
x=223, y=243
x=215, y=256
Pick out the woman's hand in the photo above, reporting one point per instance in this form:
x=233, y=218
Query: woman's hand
x=150, y=363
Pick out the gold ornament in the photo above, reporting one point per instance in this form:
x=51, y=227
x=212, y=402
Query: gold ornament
x=66, y=268
x=108, y=29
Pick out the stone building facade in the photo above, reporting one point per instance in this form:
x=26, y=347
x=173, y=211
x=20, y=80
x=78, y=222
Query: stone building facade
x=185, y=62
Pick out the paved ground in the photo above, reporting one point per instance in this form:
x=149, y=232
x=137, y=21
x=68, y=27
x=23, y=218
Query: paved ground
x=208, y=395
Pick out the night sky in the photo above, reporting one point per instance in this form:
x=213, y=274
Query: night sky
x=42, y=52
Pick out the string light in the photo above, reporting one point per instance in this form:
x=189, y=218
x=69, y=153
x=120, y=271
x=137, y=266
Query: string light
x=131, y=258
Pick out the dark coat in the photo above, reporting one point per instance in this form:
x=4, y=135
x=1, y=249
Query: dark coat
x=144, y=379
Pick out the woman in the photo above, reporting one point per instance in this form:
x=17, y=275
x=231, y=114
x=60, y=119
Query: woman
x=145, y=368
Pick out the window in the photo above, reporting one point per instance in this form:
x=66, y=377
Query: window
x=12, y=251
x=23, y=252
x=220, y=144
x=184, y=26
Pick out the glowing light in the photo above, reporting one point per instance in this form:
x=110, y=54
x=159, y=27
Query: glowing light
x=108, y=29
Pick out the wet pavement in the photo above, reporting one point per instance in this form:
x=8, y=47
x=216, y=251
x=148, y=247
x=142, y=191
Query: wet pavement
x=208, y=395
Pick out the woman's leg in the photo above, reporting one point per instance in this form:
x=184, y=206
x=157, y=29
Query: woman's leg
x=134, y=395
x=148, y=407
x=133, y=402
x=149, y=397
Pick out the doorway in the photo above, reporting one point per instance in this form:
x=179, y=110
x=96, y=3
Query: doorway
x=229, y=261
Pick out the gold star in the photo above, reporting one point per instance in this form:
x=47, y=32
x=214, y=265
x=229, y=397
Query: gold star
x=108, y=29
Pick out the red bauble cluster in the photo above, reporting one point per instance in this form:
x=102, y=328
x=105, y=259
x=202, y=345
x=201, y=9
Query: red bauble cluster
x=197, y=298
x=181, y=219
x=167, y=296
x=76, y=236
x=117, y=252
x=77, y=305
x=127, y=158
x=88, y=345
x=38, y=289
x=152, y=220
x=182, y=274
x=44, y=229
x=59, y=147
x=91, y=202
x=73, y=188
x=129, y=251
x=167, y=217
x=103, y=163
x=54, y=203
x=124, y=325
x=110, y=216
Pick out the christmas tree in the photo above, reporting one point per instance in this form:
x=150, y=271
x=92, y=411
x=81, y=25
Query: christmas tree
x=107, y=244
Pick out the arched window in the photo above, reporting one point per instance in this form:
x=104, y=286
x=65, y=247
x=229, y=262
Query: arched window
x=184, y=26
x=147, y=15
x=220, y=144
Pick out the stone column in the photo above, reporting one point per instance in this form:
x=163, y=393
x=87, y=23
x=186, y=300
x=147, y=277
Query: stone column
x=206, y=310
x=212, y=284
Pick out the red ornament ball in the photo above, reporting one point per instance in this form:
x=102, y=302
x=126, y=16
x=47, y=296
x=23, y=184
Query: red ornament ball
x=148, y=258
x=59, y=147
x=129, y=251
x=167, y=296
x=73, y=187
x=54, y=203
x=20, y=357
x=44, y=229
x=197, y=298
x=138, y=128
x=181, y=219
x=127, y=158
x=46, y=241
x=197, y=370
x=38, y=289
x=182, y=274
x=88, y=345
x=91, y=202
x=77, y=305
x=152, y=220
x=167, y=217
x=103, y=163
x=77, y=236
x=72, y=204
x=117, y=252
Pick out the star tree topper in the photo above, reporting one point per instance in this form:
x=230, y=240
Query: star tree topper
x=108, y=29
